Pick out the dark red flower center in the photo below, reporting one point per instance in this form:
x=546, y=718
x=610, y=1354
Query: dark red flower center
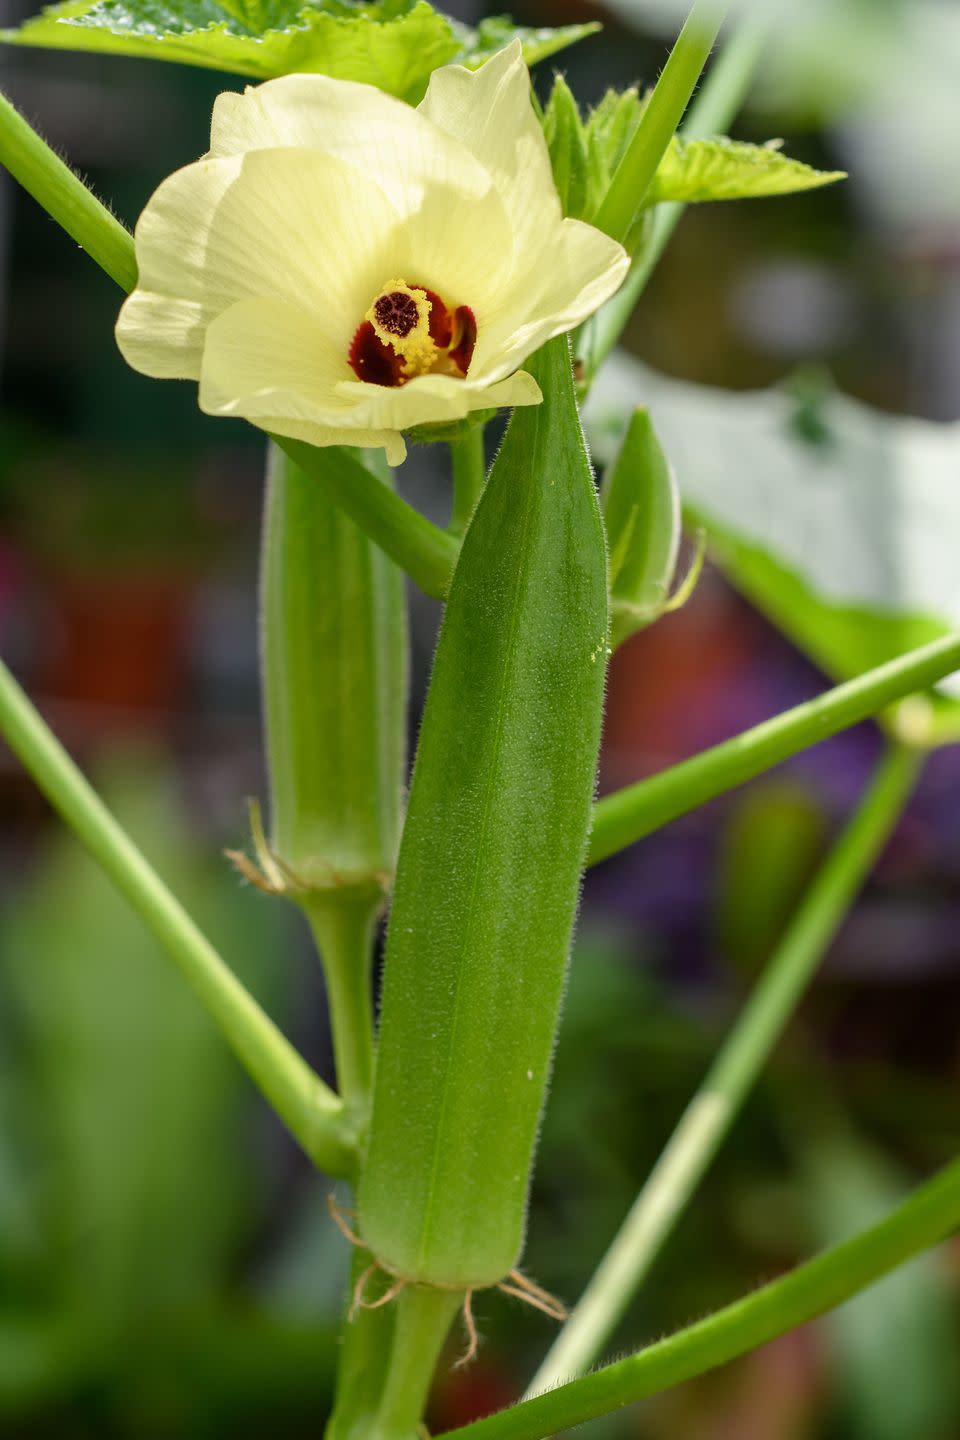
x=410, y=331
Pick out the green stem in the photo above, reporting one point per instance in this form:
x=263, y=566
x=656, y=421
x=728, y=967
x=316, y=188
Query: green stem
x=344, y=931
x=423, y=1319
x=671, y=96
x=365, y=1348
x=712, y=113
x=638, y=810
x=64, y=196
x=469, y=474
x=308, y=1107
x=930, y=1214
x=711, y=1112
x=427, y=553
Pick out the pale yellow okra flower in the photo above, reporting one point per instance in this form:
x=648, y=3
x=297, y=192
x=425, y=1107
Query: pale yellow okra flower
x=341, y=267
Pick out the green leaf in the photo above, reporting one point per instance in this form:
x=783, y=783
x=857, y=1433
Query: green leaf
x=696, y=170
x=641, y=508
x=497, y=31
x=490, y=860
x=844, y=532
x=393, y=44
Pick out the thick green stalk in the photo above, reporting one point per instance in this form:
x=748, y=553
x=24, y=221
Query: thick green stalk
x=716, y=1104
x=421, y=1325
x=638, y=810
x=665, y=110
x=930, y=1214
x=427, y=553
x=712, y=113
x=65, y=197
x=310, y=1110
x=469, y=474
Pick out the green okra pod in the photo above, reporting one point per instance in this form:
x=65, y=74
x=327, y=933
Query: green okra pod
x=490, y=862
x=334, y=659
x=334, y=664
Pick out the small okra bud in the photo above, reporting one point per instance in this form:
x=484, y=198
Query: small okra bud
x=585, y=153
x=641, y=507
x=567, y=142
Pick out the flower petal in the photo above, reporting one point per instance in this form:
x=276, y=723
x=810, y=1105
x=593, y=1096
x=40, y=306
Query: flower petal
x=390, y=441
x=162, y=336
x=490, y=113
x=375, y=134
x=460, y=247
x=267, y=356
x=586, y=267
x=265, y=362
x=433, y=399
x=240, y=123
x=458, y=238
x=293, y=224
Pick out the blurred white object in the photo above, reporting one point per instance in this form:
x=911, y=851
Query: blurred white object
x=867, y=518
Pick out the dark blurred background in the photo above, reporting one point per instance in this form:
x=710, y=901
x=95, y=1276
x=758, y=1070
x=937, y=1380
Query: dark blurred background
x=167, y=1267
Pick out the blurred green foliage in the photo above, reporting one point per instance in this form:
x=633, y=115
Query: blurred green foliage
x=132, y=1181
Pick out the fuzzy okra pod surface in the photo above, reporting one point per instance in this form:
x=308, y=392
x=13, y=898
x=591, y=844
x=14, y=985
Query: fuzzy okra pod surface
x=490, y=862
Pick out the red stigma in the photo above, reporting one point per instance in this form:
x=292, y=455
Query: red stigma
x=397, y=313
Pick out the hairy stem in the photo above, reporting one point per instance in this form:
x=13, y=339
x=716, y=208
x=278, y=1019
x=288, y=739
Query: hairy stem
x=344, y=933
x=713, y=1109
x=638, y=810
x=309, y=1109
x=422, y=1322
x=65, y=197
x=712, y=113
x=928, y=1216
x=364, y=1357
x=665, y=110
x=469, y=474
x=427, y=553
